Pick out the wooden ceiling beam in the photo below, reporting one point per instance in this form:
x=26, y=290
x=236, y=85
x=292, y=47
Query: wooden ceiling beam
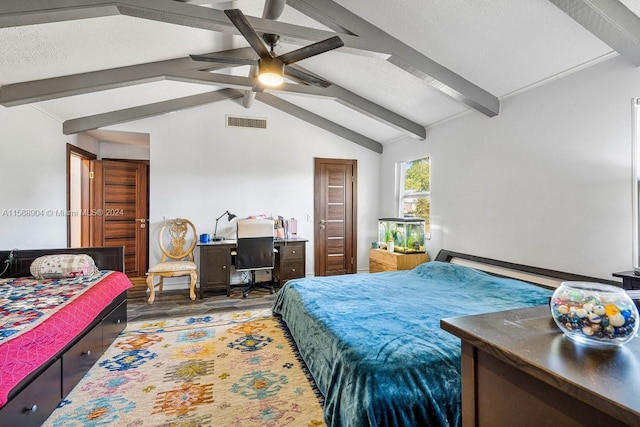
x=610, y=21
x=335, y=92
x=375, y=43
x=83, y=124
x=16, y=13
x=316, y=120
x=77, y=84
x=331, y=14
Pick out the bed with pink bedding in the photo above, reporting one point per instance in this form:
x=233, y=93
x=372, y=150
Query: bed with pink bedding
x=52, y=330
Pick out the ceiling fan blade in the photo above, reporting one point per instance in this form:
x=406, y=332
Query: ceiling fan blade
x=304, y=77
x=238, y=19
x=224, y=60
x=257, y=87
x=311, y=50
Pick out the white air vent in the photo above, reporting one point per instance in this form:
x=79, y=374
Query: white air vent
x=246, y=122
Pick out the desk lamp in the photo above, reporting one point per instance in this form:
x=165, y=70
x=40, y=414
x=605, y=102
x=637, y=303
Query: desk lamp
x=230, y=216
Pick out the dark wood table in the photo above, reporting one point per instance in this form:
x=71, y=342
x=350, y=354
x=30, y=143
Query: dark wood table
x=519, y=369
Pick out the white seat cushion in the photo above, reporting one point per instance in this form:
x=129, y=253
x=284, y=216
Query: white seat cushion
x=171, y=266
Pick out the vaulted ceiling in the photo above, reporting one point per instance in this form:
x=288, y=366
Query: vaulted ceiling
x=405, y=66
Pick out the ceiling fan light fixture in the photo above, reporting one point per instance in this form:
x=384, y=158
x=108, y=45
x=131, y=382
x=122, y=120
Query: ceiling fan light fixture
x=271, y=71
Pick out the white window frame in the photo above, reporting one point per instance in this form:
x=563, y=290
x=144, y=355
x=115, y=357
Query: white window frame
x=636, y=182
x=401, y=195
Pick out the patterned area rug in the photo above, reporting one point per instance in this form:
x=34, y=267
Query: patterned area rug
x=231, y=369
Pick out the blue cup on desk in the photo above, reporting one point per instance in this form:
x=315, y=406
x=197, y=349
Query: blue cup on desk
x=205, y=238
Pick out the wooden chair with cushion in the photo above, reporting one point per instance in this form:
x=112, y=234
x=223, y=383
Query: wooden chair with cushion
x=177, y=239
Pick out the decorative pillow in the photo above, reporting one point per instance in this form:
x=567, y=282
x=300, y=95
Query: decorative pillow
x=63, y=266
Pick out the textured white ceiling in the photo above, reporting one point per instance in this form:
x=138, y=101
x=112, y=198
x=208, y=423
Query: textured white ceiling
x=61, y=48
x=120, y=98
x=632, y=5
x=500, y=45
x=503, y=46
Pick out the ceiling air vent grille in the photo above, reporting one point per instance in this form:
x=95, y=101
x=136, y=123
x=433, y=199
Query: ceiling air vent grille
x=246, y=122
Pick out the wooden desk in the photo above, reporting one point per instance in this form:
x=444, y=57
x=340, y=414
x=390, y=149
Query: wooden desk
x=216, y=262
x=519, y=369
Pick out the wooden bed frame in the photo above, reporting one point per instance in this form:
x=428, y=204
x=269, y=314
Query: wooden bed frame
x=32, y=401
x=543, y=277
x=111, y=258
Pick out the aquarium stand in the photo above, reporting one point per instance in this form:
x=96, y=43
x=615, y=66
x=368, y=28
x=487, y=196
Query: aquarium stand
x=381, y=260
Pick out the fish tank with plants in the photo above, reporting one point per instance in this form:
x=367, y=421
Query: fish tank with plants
x=407, y=234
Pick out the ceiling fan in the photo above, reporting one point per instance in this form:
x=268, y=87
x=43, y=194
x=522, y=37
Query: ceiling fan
x=271, y=68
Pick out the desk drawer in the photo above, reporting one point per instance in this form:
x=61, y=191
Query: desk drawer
x=290, y=261
x=292, y=270
x=291, y=253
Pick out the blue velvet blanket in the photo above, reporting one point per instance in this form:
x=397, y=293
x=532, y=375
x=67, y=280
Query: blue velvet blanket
x=373, y=342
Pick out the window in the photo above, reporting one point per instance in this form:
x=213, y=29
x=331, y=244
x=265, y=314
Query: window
x=414, y=190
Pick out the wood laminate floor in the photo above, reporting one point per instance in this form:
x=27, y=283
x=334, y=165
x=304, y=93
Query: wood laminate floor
x=175, y=303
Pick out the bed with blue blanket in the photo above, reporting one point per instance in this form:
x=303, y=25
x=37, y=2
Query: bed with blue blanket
x=373, y=343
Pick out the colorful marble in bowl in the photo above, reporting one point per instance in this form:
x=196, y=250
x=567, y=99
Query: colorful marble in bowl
x=594, y=313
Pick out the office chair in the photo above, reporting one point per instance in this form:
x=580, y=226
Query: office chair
x=177, y=258
x=255, y=251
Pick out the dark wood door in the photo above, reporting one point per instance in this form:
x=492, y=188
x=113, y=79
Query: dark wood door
x=335, y=230
x=120, y=210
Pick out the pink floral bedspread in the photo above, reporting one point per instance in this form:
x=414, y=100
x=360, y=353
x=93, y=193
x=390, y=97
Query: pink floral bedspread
x=39, y=318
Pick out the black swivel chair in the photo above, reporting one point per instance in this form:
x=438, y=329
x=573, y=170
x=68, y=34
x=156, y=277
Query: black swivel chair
x=255, y=251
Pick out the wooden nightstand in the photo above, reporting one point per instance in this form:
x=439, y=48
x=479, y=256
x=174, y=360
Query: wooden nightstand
x=517, y=365
x=629, y=279
x=382, y=260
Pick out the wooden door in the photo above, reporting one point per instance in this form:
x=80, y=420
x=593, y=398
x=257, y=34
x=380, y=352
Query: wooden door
x=335, y=230
x=120, y=210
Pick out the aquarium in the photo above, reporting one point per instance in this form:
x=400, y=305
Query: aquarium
x=406, y=234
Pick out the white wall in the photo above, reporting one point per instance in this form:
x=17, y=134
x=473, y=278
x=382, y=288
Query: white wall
x=112, y=150
x=33, y=177
x=546, y=183
x=200, y=168
x=88, y=143
x=33, y=201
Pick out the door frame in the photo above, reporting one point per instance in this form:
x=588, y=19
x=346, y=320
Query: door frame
x=351, y=216
x=87, y=197
x=86, y=157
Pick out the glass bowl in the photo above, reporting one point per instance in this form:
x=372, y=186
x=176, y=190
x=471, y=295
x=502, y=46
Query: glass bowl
x=594, y=313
